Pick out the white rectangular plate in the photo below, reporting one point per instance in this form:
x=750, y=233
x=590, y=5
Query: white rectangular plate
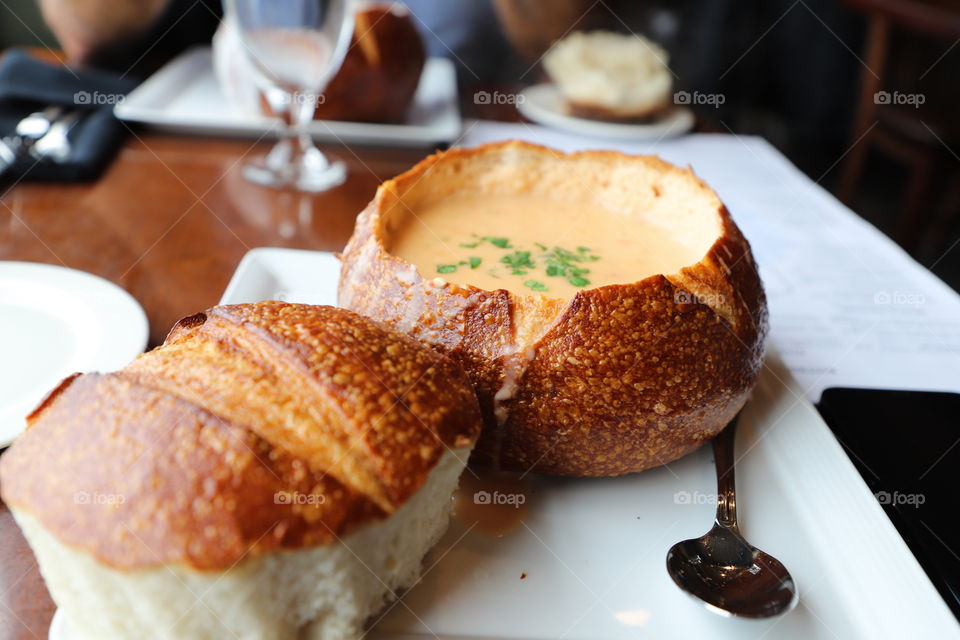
x=593, y=550
x=185, y=97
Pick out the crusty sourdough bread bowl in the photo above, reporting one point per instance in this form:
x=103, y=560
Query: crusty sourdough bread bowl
x=618, y=379
x=272, y=471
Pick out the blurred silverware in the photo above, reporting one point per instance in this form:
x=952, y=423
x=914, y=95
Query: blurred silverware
x=8, y=154
x=38, y=124
x=55, y=143
x=31, y=129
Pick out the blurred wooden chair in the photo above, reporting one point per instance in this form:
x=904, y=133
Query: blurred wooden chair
x=923, y=138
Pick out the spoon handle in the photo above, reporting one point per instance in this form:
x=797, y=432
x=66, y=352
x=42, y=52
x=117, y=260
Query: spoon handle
x=724, y=453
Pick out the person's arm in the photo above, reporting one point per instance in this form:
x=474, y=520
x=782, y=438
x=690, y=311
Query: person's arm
x=85, y=28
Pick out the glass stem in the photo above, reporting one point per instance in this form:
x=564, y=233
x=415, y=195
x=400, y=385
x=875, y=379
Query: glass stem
x=300, y=115
x=294, y=161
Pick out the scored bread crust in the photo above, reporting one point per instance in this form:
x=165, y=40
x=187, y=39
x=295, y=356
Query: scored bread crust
x=253, y=428
x=619, y=379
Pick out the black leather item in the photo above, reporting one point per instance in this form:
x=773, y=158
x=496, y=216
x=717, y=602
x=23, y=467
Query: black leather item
x=28, y=85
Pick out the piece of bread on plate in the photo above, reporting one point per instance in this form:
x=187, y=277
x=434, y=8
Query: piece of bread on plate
x=603, y=75
x=576, y=374
x=381, y=71
x=272, y=471
x=376, y=82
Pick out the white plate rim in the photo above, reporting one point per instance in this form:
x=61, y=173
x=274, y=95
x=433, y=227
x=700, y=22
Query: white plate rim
x=122, y=320
x=534, y=103
x=147, y=105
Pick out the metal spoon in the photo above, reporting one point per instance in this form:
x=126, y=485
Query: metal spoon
x=722, y=569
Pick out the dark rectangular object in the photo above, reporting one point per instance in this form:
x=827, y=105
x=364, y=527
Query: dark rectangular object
x=906, y=445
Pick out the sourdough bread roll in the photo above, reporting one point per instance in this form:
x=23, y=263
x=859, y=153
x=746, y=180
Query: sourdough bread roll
x=271, y=471
x=610, y=76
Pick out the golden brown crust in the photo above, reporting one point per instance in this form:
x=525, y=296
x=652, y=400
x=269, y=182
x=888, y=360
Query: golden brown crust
x=381, y=71
x=619, y=379
x=194, y=452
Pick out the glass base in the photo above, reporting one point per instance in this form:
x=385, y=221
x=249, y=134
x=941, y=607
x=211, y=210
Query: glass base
x=283, y=168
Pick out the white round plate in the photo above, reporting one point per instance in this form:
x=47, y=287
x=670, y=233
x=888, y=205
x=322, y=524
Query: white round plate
x=543, y=104
x=56, y=321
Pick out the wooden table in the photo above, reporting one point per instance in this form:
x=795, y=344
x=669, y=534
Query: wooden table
x=168, y=222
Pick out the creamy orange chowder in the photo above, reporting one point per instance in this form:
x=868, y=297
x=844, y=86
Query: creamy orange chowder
x=531, y=245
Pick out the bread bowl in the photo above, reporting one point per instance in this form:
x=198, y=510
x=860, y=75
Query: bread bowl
x=617, y=375
x=375, y=83
x=604, y=75
x=381, y=71
x=271, y=471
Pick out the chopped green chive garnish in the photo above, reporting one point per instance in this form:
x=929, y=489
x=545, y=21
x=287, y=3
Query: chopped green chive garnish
x=518, y=260
x=563, y=263
x=502, y=243
x=536, y=286
x=557, y=262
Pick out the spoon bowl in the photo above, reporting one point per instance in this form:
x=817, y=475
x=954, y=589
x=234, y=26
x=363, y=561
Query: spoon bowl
x=731, y=577
x=722, y=569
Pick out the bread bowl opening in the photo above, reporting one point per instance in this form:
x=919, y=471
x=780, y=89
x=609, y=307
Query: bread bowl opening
x=534, y=221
